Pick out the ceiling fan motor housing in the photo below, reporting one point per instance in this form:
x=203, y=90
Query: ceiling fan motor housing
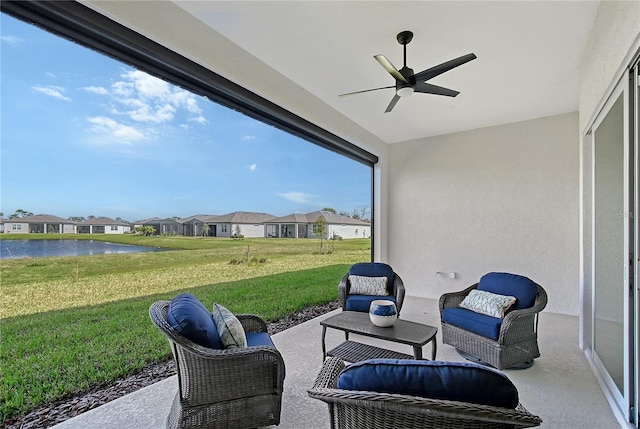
x=404, y=89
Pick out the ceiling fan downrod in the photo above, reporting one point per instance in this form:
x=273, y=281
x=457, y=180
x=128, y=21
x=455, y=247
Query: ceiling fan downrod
x=404, y=38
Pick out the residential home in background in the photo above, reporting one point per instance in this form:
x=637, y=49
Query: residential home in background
x=298, y=225
x=103, y=225
x=247, y=224
x=194, y=226
x=40, y=224
x=162, y=226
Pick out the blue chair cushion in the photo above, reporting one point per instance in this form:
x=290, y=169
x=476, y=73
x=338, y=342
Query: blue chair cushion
x=362, y=302
x=523, y=288
x=259, y=339
x=190, y=318
x=453, y=381
x=373, y=269
x=480, y=324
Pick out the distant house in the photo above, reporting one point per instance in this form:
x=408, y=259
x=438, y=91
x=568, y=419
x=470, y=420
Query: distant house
x=249, y=224
x=40, y=224
x=103, y=225
x=2, y=221
x=162, y=226
x=304, y=226
x=194, y=226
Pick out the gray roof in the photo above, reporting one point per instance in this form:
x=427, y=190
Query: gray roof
x=143, y=221
x=330, y=217
x=292, y=218
x=242, y=217
x=196, y=218
x=334, y=218
x=40, y=218
x=102, y=221
x=156, y=220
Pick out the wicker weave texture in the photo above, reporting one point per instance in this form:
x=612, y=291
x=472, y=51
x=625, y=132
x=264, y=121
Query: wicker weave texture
x=365, y=410
x=352, y=351
x=237, y=388
x=517, y=342
x=398, y=291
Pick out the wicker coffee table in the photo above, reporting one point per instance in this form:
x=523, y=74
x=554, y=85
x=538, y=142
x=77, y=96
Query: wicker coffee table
x=404, y=332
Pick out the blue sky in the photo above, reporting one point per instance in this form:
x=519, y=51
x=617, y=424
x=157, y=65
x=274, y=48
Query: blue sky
x=82, y=134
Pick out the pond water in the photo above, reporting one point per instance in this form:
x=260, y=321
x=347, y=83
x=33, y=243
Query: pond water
x=13, y=249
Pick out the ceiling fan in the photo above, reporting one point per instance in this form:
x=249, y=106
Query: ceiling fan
x=407, y=82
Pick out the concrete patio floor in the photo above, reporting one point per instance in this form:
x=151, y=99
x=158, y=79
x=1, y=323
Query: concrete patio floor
x=560, y=387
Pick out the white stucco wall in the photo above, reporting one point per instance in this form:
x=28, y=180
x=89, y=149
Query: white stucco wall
x=23, y=228
x=249, y=230
x=503, y=198
x=350, y=231
x=121, y=229
x=614, y=38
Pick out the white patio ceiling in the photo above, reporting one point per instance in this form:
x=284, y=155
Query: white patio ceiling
x=528, y=56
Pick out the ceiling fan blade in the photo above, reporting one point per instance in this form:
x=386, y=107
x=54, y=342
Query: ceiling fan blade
x=428, y=88
x=366, y=90
x=384, y=62
x=391, y=105
x=444, y=67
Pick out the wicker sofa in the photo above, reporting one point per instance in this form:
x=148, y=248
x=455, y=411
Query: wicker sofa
x=516, y=341
x=352, y=409
x=231, y=388
x=354, y=302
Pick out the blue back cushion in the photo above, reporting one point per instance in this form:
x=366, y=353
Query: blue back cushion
x=480, y=324
x=523, y=288
x=453, y=381
x=362, y=302
x=373, y=269
x=189, y=317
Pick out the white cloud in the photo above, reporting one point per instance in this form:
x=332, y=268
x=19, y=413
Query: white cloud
x=199, y=119
x=152, y=100
x=12, y=40
x=248, y=137
x=121, y=134
x=298, y=197
x=155, y=114
x=253, y=167
x=52, y=91
x=96, y=90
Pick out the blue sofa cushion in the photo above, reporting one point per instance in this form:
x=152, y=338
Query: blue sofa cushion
x=190, y=318
x=259, y=339
x=480, y=324
x=373, y=269
x=453, y=381
x=362, y=302
x=523, y=288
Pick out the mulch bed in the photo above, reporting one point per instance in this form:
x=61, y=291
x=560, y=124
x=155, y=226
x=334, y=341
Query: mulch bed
x=66, y=408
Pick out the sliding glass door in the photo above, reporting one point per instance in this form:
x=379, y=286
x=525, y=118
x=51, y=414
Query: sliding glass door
x=609, y=249
x=614, y=252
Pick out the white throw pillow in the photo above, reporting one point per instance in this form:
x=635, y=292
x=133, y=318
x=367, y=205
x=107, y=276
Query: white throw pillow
x=230, y=329
x=488, y=303
x=362, y=285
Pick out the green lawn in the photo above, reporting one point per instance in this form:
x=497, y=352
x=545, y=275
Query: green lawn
x=68, y=324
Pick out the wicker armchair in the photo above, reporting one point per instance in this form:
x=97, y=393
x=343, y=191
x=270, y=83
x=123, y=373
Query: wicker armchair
x=517, y=343
x=232, y=388
x=350, y=409
x=395, y=288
